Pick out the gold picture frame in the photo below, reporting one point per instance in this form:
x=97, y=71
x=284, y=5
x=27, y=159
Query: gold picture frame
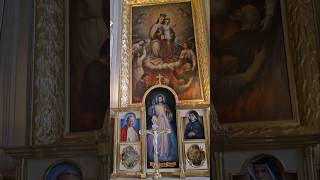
x=143, y=171
x=204, y=144
x=119, y=170
x=125, y=90
x=126, y=103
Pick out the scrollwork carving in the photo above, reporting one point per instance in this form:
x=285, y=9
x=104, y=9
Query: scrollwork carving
x=48, y=71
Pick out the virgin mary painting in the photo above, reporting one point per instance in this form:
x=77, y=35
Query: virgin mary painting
x=163, y=42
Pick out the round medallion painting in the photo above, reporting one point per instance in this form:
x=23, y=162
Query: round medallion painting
x=129, y=157
x=64, y=171
x=195, y=156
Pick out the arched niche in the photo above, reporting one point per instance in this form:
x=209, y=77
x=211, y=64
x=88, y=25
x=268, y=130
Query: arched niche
x=160, y=103
x=267, y=165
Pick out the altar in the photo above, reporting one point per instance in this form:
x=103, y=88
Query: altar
x=162, y=123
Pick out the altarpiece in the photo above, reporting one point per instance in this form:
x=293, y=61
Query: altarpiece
x=162, y=123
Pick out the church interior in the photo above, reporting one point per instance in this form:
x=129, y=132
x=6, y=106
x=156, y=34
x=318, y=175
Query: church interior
x=159, y=89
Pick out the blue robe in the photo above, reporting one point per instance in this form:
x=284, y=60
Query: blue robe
x=195, y=127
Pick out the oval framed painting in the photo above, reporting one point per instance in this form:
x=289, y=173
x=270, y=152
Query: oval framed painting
x=64, y=170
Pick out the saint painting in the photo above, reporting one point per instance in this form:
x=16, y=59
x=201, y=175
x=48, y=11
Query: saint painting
x=249, y=66
x=194, y=128
x=64, y=171
x=129, y=128
x=163, y=42
x=160, y=106
x=264, y=169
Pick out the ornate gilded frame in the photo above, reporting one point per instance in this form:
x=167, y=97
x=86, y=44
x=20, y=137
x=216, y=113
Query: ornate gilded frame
x=125, y=89
x=302, y=54
x=180, y=112
x=48, y=89
x=206, y=141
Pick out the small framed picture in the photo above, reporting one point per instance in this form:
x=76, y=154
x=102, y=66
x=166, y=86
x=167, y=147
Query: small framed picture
x=196, y=156
x=193, y=125
x=129, y=127
x=130, y=157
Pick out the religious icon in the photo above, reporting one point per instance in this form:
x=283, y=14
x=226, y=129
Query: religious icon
x=249, y=61
x=195, y=155
x=264, y=169
x=194, y=128
x=129, y=157
x=160, y=106
x=130, y=128
x=163, y=42
x=64, y=171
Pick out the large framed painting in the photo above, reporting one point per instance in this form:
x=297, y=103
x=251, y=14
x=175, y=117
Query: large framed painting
x=250, y=62
x=88, y=68
x=255, y=87
x=163, y=43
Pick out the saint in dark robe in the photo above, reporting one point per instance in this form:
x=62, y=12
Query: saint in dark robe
x=95, y=91
x=194, y=128
x=264, y=169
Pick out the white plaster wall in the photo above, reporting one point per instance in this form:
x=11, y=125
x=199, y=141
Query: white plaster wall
x=88, y=165
x=115, y=47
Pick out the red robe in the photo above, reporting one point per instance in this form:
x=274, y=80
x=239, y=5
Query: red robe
x=124, y=133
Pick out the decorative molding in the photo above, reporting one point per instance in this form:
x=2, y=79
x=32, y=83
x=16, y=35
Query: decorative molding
x=20, y=169
x=227, y=144
x=48, y=71
x=305, y=62
x=310, y=163
x=125, y=55
x=53, y=151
